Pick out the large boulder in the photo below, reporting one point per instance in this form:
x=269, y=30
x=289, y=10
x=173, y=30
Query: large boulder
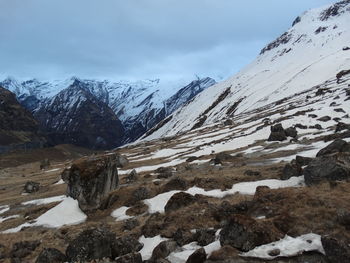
x=91, y=244
x=163, y=250
x=336, y=251
x=51, y=255
x=336, y=146
x=179, y=200
x=126, y=245
x=199, y=256
x=277, y=133
x=329, y=167
x=90, y=180
x=245, y=233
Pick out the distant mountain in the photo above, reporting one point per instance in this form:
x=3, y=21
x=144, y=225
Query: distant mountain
x=315, y=49
x=17, y=125
x=138, y=105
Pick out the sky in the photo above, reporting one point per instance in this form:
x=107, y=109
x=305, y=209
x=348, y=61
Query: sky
x=138, y=39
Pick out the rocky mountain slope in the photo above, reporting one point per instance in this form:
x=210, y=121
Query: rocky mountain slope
x=315, y=49
x=139, y=105
x=17, y=125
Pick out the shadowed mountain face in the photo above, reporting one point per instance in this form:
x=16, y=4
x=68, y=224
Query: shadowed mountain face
x=77, y=117
x=17, y=124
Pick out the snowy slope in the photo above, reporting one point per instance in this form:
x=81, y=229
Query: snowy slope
x=311, y=52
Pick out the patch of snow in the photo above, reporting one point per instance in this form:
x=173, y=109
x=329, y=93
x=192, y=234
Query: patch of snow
x=52, y=170
x=2, y=219
x=288, y=247
x=120, y=213
x=44, y=201
x=59, y=182
x=149, y=243
x=4, y=208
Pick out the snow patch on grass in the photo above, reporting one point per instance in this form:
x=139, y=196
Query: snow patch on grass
x=149, y=243
x=44, y=201
x=120, y=213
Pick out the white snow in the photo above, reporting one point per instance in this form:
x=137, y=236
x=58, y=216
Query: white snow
x=52, y=170
x=65, y=213
x=288, y=247
x=157, y=203
x=59, y=182
x=2, y=219
x=120, y=213
x=149, y=243
x=4, y=208
x=44, y=201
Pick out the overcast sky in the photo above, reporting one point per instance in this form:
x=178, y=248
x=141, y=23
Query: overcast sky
x=138, y=39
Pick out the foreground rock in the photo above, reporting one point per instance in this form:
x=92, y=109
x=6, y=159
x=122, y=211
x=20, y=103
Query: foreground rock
x=337, y=146
x=31, y=187
x=90, y=180
x=51, y=255
x=277, y=133
x=199, y=256
x=179, y=200
x=163, y=250
x=336, y=251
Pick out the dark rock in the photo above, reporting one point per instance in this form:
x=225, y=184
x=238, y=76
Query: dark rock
x=23, y=249
x=226, y=210
x=51, y=255
x=336, y=251
x=333, y=104
x=291, y=132
x=179, y=200
x=91, y=244
x=140, y=193
x=346, y=48
x=291, y=170
x=191, y=159
x=302, y=161
x=245, y=233
x=131, y=223
x=274, y=252
x=199, y=256
x=132, y=177
x=228, y=122
x=343, y=217
x=277, y=133
x=342, y=73
x=175, y=184
x=300, y=126
x=31, y=187
x=204, y=236
x=337, y=119
x=335, y=147
x=129, y=258
x=153, y=225
x=342, y=126
x=222, y=157
x=339, y=110
x=125, y=245
x=163, y=250
x=252, y=173
x=44, y=164
x=183, y=237
x=165, y=172
x=90, y=180
x=316, y=126
x=329, y=167
x=324, y=118
x=312, y=115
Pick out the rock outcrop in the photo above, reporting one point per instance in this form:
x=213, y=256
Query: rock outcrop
x=51, y=255
x=90, y=180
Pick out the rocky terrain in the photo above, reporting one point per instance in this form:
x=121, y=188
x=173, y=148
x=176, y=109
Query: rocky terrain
x=260, y=180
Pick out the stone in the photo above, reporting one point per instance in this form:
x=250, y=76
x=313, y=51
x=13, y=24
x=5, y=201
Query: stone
x=23, y=249
x=204, y=236
x=129, y=258
x=245, y=233
x=324, y=118
x=179, y=200
x=342, y=126
x=51, y=255
x=191, y=159
x=329, y=167
x=96, y=243
x=121, y=160
x=228, y=122
x=44, y=164
x=199, y=256
x=277, y=133
x=274, y=252
x=131, y=223
x=312, y=116
x=316, y=126
x=291, y=170
x=175, y=184
x=31, y=187
x=252, y=173
x=339, y=110
x=163, y=250
x=300, y=126
x=222, y=157
x=291, y=132
x=90, y=180
x=336, y=146
x=302, y=161
x=132, y=177
x=226, y=210
x=125, y=245
x=140, y=193
x=336, y=251
x=164, y=172
x=183, y=237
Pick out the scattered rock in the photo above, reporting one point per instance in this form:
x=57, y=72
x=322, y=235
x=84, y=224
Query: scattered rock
x=274, y=252
x=324, y=118
x=179, y=200
x=335, y=147
x=90, y=180
x=183, y=237
x=342, y=73
x=199, y=256
x=175, y=184
x=139, y=194
x=165, y=172
x=163, y=250
x=44, y=164
x=312, y=116
x=277, y=133
x=291, y=132
x=222, y=157
x=333, y=104
x=51, y=255
x=132, y=177
x=31, y=187
x=245, y=233
x=346, y=48
x=204, y=236
x=129, y=258
x=228, y=122
x=131, y=223
x=342, y=126
x=22, y=249
x=121, y=160
x=226, y=210
x=252, y=173
x=302, y=161
x=153, y=225
x=316, y=126
x=191, y=159
x=300, y=126
x=339, y=110
x=291, y=170
x=91, y=244
x=336, y=251
x=125, y=245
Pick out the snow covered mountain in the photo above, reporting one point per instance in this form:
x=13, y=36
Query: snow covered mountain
x=138, y=105
x=315, y=49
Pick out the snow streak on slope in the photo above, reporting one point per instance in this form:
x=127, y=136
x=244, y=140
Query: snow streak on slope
x=311, y=52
